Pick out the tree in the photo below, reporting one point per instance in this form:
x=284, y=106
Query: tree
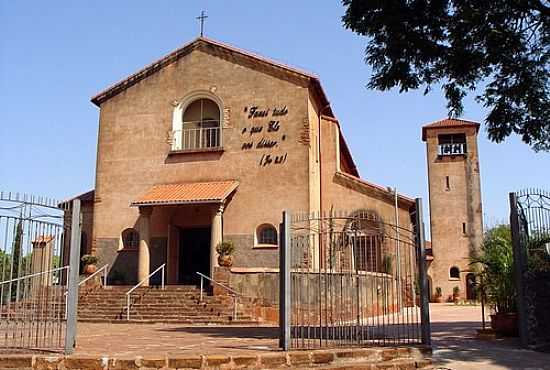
x=498, y=46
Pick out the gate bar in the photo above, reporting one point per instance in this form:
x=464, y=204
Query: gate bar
x=72, y=284
x=284, y=283
x=519, y=266
x=424, y=303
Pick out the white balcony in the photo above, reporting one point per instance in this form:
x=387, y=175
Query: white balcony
x=196, y=139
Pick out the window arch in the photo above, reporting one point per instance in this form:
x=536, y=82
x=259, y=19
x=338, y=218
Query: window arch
x=266, y=234
x=454, y=272
x=200, y=125
x=366, y=234
x=130, y=239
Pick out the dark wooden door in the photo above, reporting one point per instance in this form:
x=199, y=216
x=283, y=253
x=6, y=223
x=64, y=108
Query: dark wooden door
x=194, y=254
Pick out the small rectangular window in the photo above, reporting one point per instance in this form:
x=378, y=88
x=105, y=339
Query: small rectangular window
x=464, y=228
x=447, y=183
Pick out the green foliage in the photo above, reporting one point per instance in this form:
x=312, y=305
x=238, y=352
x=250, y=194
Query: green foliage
x=538, y=247
x=225, y=248
x=501, y=46
x=438, y=291
x=456, y=290
x=497, y=272
x=88, y=259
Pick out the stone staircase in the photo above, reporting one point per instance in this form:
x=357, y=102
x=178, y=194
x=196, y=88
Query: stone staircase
x=175, y=304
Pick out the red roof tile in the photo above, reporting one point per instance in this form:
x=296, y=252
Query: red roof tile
x=448, y=122
x=187, y=193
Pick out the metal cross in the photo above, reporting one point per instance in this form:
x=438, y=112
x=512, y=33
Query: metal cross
x=201, y=18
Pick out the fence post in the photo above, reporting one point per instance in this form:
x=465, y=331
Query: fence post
x=424, y=304
x=72, y=280
x=284, y=283
x=519, y=268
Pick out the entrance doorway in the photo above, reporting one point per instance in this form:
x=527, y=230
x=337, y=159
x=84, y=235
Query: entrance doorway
x=194, y=254
x=471, y=287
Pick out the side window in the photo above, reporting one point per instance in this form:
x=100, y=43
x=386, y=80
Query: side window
x=454, y=272
x=266, y=234
x=130, y=239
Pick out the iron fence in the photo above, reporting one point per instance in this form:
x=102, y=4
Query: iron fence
x=530, y=224
x=353, y=280
x=34, y=272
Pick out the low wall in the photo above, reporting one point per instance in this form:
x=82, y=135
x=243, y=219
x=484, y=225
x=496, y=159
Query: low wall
x=378, y=291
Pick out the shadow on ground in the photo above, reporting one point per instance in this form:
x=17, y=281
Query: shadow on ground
x=228, y=331
x=457, y=347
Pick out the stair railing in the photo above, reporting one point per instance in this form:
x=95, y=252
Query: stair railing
x=232, y=292
x=103, y=268
x=128, y=293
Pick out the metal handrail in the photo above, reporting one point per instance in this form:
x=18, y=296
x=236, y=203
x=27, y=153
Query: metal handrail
x=161, y=267
x=95, y=273
x=235, y=293
x=35, y=274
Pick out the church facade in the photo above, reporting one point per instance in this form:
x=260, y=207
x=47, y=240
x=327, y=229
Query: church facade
x=211, y=143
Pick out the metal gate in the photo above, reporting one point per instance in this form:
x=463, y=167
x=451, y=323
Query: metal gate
x=352, y=279
x=35, y=235
x=530, y=223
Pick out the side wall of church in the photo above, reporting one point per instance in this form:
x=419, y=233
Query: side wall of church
x=133, y=154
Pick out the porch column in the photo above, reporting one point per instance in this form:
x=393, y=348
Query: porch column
x=144, y=241
x=216, y=237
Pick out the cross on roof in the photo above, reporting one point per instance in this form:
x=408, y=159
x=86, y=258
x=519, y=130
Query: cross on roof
x=201, y=18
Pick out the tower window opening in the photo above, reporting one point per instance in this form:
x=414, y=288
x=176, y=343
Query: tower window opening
x=447, y=183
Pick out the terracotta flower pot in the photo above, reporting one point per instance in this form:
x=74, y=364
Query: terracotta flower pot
x=90, y=269
x=505, y=323
x=225, y=261
x=438, y=299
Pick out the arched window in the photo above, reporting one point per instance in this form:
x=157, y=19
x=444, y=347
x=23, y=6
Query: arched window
x=266, y=234
x=130, y=239
x=201, y=125
x=366, y=234
x=454, y=272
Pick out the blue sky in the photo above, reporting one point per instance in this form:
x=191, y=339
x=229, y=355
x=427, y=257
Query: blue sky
x=55, y=55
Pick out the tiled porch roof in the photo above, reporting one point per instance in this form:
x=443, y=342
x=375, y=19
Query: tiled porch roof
x=187, y=193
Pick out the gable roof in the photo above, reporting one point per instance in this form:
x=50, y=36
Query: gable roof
x=449, y=123
x=205, y=43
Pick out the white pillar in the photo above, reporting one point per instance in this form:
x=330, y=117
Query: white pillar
x=144, y=241
x=215, y=238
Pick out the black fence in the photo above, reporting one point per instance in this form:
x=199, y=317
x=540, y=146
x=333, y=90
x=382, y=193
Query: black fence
x=353, y=279
x=530, y=222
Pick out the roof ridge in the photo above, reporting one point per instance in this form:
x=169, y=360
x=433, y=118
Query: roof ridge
x=167, y=59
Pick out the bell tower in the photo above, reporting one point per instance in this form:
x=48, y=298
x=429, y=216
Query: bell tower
x=456, y=219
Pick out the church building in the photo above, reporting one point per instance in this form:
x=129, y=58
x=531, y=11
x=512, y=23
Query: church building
x=211, y=143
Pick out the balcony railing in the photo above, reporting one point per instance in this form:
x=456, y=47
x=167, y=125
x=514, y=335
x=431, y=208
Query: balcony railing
x=451, y=149
x=202, y=138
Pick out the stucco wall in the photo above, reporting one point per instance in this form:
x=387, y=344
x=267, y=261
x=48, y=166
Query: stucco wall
x=133, y=153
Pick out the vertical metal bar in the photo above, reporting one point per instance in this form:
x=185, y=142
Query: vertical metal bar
x=424, y=304
x=284, y=283
x=72, y=285
x=127, y=307
x=519, y=266
x=162, y=277
x=202, y=287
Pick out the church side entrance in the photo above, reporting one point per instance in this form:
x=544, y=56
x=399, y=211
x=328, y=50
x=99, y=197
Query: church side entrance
x=194, y=254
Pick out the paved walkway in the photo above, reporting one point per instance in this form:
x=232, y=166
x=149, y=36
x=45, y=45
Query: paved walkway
x=453, y=327
x=456, y=346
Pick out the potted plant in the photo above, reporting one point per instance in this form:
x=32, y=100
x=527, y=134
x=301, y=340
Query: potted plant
x=497, y=276
x=89, y=262
x=225, y=251
x=438, y=298
x=456, y=294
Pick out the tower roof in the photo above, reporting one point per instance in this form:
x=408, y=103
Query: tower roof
x=448, y=123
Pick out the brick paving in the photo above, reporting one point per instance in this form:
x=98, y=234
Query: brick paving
x=128, y=340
